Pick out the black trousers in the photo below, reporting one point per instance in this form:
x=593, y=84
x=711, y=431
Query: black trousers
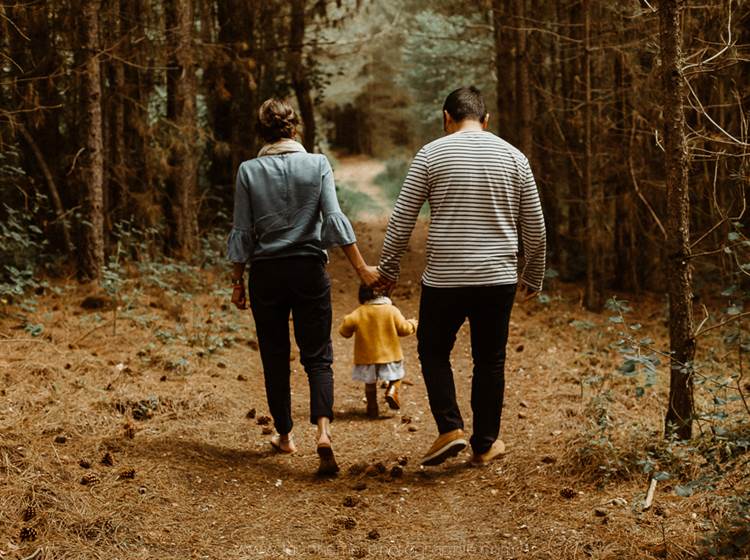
x=299, y=285
x=442, y=311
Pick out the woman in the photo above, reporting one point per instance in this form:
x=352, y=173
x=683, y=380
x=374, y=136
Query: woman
x=286, y=215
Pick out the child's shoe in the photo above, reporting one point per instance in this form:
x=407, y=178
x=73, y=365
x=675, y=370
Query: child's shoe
x=391, y=395
x=371, y=394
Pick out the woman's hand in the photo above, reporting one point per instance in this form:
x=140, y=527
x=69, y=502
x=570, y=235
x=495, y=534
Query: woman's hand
x=368, y=274
x=239, y=299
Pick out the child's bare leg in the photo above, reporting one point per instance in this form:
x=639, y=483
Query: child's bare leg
x=371, y=394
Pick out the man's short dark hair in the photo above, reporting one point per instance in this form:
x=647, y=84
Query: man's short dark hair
x=465, y=103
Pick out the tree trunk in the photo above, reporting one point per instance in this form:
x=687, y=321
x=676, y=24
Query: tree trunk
x=53, y=191
x=181, y=85
x=679, y=416
x=117, y=183
x=137, y=88
x=300, y=81
x=92, y=161
x=523, y=93
x=593, y=271
x=503, y=67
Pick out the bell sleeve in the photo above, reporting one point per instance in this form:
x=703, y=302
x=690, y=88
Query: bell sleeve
x=240, y=243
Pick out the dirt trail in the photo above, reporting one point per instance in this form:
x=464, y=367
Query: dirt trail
x=169, y=396
x=360, y=172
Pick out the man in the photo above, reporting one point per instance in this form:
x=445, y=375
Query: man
x=481, y=194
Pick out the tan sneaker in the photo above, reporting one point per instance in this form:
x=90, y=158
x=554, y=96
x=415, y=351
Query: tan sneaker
x=391, y=395
x=446, y=445
x=495, y=451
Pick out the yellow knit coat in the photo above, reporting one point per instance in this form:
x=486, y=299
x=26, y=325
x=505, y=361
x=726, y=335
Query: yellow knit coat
x=377, y=328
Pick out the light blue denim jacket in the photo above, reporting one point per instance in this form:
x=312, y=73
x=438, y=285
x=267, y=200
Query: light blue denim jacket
x=285, y=205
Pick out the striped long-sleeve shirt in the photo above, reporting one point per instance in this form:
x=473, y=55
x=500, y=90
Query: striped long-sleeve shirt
x=481, y=194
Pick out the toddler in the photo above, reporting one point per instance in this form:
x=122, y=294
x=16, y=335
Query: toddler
x=377, y=325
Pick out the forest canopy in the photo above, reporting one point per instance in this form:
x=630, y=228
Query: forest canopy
x=139, y=112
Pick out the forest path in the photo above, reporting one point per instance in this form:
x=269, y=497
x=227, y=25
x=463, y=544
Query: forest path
x=177, y=395
x=359, y=172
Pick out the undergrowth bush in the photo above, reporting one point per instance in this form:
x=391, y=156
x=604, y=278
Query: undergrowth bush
x=392, y=177
x=714, y=463
x=352, y=201
x=22, y=246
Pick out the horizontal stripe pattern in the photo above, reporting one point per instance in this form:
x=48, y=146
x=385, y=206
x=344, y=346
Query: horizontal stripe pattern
x=482, y=197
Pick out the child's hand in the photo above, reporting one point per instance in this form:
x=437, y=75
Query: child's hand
x=414, y=322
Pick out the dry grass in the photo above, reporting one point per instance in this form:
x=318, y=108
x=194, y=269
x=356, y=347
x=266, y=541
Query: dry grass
x=206, y=484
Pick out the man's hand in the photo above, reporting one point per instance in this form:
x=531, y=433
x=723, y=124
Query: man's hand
x=525, y=293
x=383, y=282
x=239, y=299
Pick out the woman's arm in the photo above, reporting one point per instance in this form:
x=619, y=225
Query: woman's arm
x=368, y=274
x=337, y=231
x=240, y=242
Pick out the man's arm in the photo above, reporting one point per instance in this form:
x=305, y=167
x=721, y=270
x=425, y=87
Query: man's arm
x=533, y=233
x=413, y=194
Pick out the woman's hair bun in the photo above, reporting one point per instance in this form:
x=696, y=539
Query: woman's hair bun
x=277, y=119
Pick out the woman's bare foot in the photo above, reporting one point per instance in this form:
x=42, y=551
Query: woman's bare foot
x=324, y=431
x=283, y=443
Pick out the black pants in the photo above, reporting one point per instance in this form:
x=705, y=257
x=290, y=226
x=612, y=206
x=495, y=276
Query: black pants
x=442, y=311
x=299, y=285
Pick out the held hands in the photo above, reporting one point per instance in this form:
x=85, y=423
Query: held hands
x=369, y=275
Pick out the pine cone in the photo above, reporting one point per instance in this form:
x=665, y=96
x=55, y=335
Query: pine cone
x=108, y=459
x=28, y=534
x=84, y=463
x=89, y=479
x=127, y=474
x=29, y=513
x=568, y=493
